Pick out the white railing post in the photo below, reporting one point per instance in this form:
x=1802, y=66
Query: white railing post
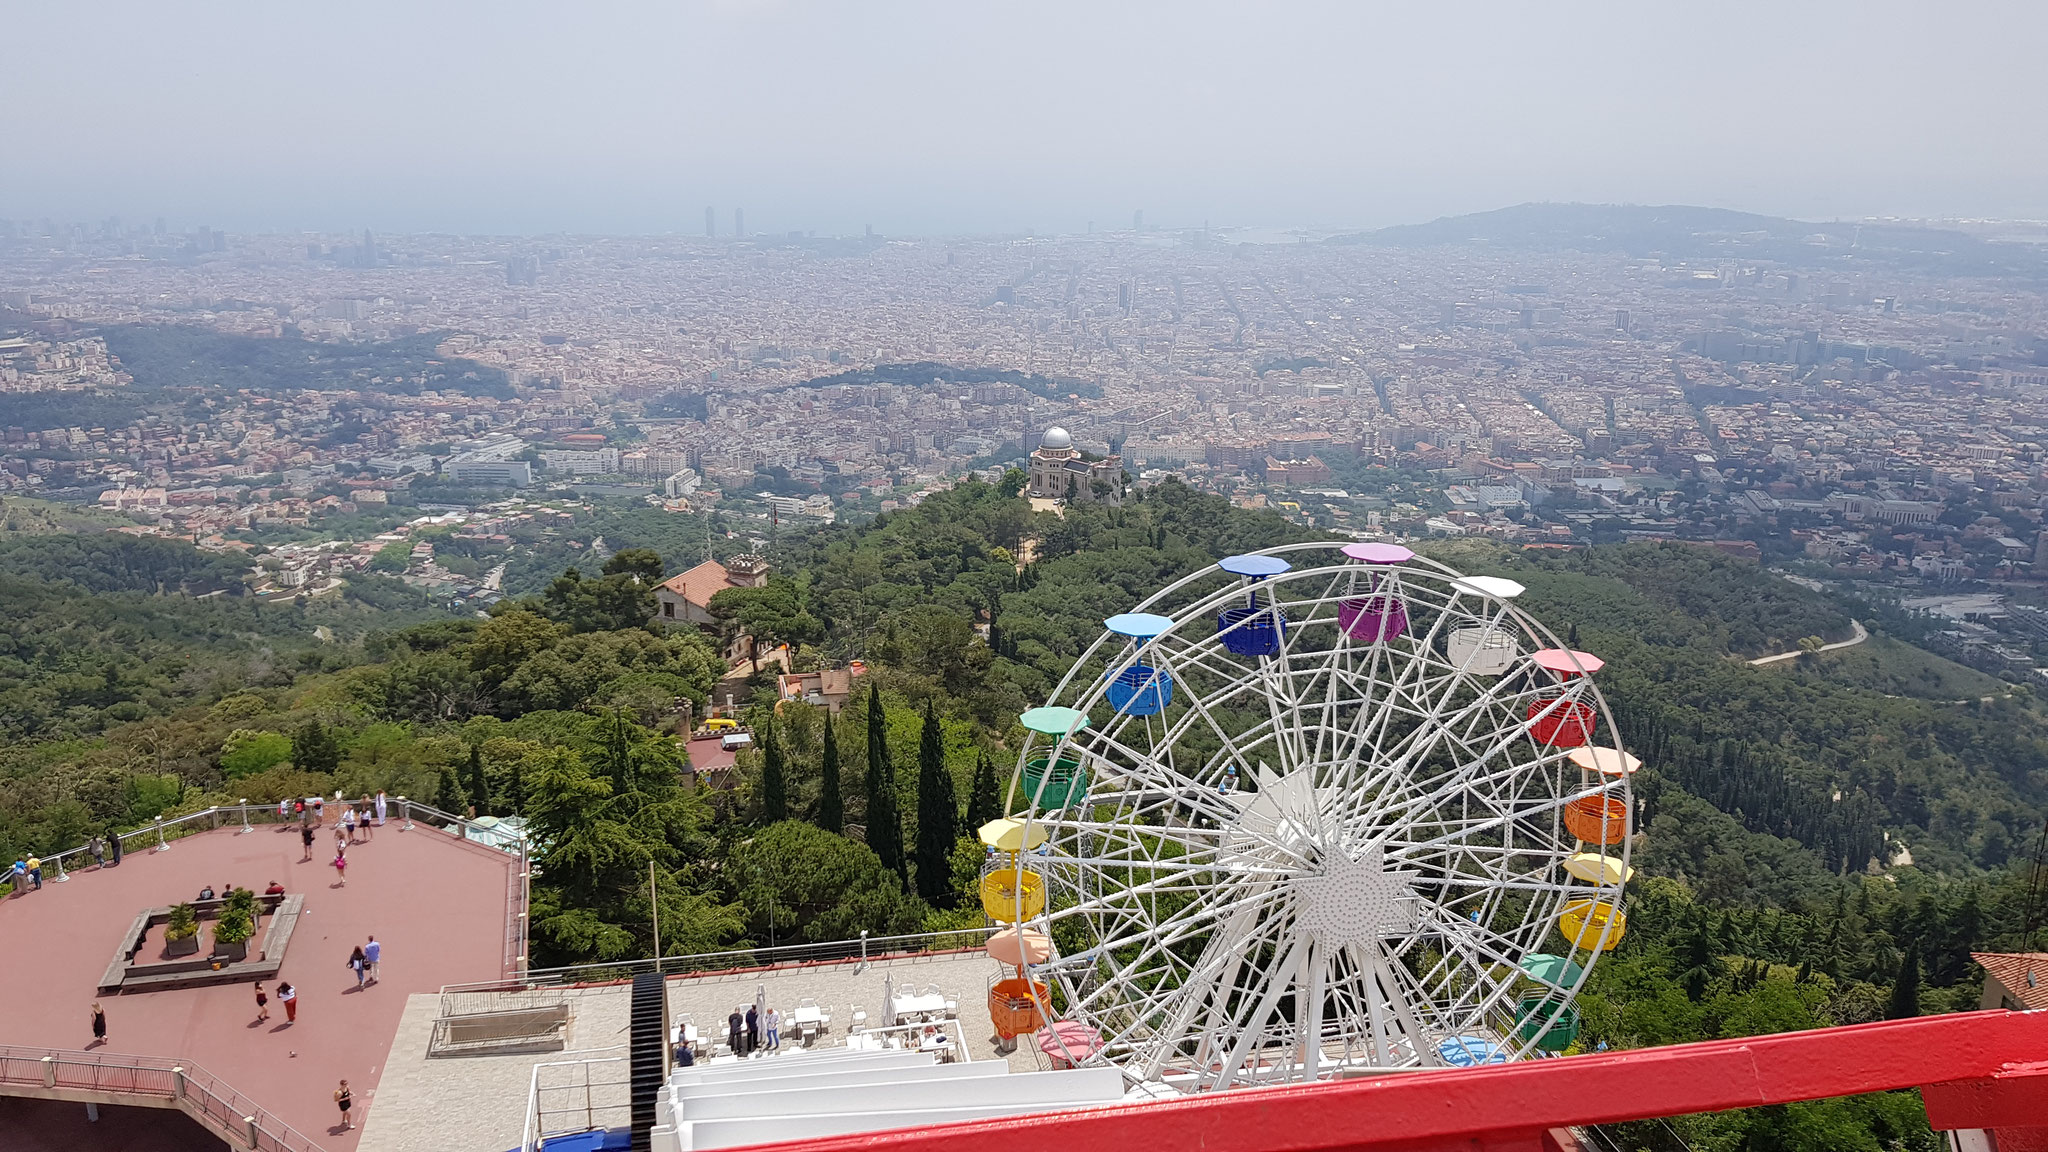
x=49, y=1071
x=253, y=1135
x=244, y=802
x=405, y=814
x=177, y=1082
x=863, y=951
x=160, y=845
x=58, y=860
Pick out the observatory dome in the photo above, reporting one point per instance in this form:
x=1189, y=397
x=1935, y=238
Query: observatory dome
x=1056, y=437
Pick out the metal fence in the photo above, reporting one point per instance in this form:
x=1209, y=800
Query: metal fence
x=481, y=996
x=577, y=1096
x=160, y=835
x=153, y=1081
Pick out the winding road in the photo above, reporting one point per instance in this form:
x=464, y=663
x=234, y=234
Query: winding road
x=1861, y=635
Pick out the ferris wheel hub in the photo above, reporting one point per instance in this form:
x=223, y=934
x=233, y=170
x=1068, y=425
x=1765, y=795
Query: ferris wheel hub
x=1354, y=902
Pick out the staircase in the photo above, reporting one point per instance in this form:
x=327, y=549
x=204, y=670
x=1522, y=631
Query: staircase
x=649, y=1051
x=147, y=1082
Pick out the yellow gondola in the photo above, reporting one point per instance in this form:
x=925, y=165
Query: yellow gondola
x=1584, y=922
x=1010, y=896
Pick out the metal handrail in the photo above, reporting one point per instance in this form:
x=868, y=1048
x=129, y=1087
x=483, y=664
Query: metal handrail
x=519, y=885
x=154, y=1081
x=862, y=949
x=536, y=1132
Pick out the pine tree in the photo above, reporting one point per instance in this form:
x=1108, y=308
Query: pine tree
x=884, y=821
x=984, y=796
x=1905, y=1001
x=475, y=783
x=774, y=787
x=314, y=748
x=831, y=805
x=450, y=797
x=1701, y=966
x=938, y=815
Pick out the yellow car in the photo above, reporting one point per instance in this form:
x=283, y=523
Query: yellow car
x=721, y=724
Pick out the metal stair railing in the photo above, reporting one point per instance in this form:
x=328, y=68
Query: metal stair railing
x=150, y=1082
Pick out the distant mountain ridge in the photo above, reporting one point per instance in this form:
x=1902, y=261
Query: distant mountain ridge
x=1688, y=232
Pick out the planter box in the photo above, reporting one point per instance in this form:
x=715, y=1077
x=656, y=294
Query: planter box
x=233, y=953
x=185, y=947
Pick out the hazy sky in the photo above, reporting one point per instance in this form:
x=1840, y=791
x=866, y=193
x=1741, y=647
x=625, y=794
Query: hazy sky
x=967, y=115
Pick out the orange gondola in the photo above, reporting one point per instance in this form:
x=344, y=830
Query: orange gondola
x=1597, y=819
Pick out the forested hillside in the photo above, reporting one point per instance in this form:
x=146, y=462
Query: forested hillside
x=1772, y=892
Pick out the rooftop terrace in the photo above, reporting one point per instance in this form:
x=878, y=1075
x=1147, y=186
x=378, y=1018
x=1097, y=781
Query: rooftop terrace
x=439, y=905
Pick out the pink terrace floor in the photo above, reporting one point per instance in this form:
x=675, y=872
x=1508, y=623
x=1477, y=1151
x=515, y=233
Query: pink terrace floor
x=436, y=903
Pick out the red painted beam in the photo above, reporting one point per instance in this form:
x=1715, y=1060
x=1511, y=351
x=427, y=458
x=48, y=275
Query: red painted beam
x=2016, y=1097
x=1512, y=1106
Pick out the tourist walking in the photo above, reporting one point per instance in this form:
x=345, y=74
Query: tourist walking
x=340, y=837
x=99, y=852
x=344, y=1099
x=363, y=816
x=18, y=874
x=115, y=839
x=262, y=1003
x=753, y=1029
x=341, y=867
x=289, y=997
x=380, y=807
x=35, y=873
x=99, y=1023
x=373, y=952
x=774, y=1029
x=348, y=823
x=306, y=835
x=735, y=1038
x=360, y=964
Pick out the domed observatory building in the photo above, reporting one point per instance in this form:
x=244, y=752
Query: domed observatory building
x=1061, y=471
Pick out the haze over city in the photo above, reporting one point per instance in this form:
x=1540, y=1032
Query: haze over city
x=933, y=118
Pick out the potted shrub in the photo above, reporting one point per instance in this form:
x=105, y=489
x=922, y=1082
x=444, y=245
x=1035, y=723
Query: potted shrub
x=244, y=900
x=231, y=934
x=181, y=933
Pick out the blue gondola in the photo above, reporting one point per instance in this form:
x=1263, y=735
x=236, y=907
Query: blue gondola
x=1252, y=631
x=1140, y=690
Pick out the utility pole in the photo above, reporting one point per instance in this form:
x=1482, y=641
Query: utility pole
x=654, y=901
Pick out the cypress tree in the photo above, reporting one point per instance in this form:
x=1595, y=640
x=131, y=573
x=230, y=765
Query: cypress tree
x=884, y=821
x=1905, y=1001
x=450, y=796
x=515, y=787
x=938, y=815
x=831, y=806
x=475, y=783
x=984, y=796
x=774, y=788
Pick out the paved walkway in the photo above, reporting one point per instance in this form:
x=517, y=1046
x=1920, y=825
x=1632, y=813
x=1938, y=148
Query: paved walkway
x=437, y=904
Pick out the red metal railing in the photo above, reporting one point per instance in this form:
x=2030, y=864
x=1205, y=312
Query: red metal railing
x=1977, y=1069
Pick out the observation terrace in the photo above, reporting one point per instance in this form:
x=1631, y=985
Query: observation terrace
x=446, y=909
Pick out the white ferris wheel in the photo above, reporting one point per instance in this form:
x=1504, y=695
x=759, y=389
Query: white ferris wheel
x=1314, y=807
